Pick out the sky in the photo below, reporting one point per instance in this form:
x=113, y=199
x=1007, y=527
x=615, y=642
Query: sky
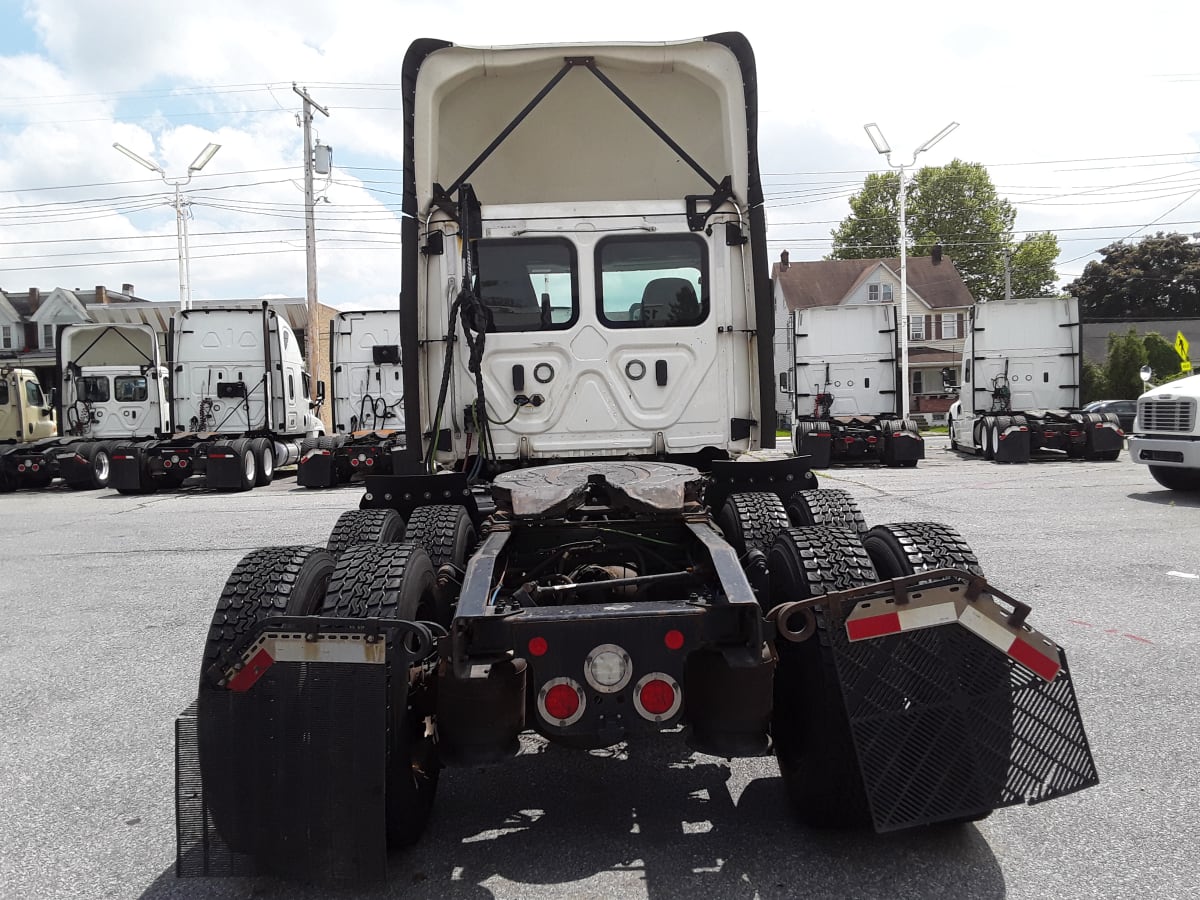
x=1086, y=115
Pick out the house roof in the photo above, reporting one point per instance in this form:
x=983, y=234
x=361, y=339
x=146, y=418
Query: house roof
x=829, y=282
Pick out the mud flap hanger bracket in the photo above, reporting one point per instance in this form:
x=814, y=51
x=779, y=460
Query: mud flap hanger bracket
x=696, y=218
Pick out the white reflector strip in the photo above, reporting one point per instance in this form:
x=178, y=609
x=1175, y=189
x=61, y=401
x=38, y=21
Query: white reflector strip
x=983, y=618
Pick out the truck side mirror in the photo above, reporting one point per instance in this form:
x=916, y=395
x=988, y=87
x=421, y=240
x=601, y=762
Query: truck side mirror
x=53, y=397
x=320, y=393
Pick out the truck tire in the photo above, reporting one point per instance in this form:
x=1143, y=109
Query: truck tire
x=272, y=581
x=989, y=449
x=954, y=448
x=809, y=726
x=365, y=526
x=445, y=531
x=912, y=547
x=830, y=507
x=751, y=520
x=395, y=581
x=264, y=458
x=247, y=468
x=98, y=470
x=1176, y=479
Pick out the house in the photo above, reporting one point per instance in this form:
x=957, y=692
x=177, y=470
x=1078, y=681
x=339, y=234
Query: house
x=938, y=304
x=29, y=321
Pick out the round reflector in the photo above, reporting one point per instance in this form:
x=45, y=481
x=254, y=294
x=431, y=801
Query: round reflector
x=657, y=697
x=561, y=702
x=538, y=646
x=673, y=639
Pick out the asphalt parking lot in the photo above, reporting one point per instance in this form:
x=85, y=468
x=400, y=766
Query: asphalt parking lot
x=106, y=599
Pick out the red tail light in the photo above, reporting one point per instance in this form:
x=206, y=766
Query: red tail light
x=562, y=701
x=657, y=696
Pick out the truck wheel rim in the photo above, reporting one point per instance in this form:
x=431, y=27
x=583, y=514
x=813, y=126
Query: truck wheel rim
x=268, y=460
x=248, y=465
x=100, y=466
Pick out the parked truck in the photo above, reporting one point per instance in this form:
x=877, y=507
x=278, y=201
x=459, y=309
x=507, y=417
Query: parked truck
x=589, y=535
x=366, y=401
x=27, y=425
x=239, y=403
x=1020, y=385
x=846, y=403
x=1166, y=434
x=111, y=391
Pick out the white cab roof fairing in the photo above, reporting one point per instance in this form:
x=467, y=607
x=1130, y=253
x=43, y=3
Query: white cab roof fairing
x=580, y=142
x=89, y=345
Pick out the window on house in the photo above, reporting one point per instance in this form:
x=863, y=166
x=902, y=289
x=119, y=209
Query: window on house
x=918, y=383
x=6, y=337
x=949, y=326
x=48, y=337
x=872, y=293
x=886, y=292
x=916, y=328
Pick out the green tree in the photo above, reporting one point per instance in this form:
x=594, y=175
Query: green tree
x=1161, y=355
x=1126, y=356
x=1155, y=277
x=956, y=206
x=1092, y=384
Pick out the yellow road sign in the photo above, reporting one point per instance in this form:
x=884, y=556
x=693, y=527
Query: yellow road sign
x=1181, y=346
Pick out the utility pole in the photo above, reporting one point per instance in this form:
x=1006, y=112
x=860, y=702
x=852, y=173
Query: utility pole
x=310, y=230
x=1007, y=274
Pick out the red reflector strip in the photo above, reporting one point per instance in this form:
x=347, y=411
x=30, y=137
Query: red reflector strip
x=252, y=671
x=1031, y=658
x=875, y=626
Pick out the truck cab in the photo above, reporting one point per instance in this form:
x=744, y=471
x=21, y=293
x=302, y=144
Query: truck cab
x=114, y=385
x=612, y=279
x=26, y=414
x=1166, y=434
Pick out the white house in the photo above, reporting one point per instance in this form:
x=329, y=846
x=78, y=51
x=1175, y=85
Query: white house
x=938, y=302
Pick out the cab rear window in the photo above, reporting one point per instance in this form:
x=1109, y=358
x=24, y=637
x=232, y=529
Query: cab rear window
x=527, y=285
x=652, y=281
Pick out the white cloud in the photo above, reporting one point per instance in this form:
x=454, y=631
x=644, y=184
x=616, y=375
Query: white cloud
x=1028, y=82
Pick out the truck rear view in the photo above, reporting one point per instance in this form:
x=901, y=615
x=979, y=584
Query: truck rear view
x=846, y=402
x=1020, y=385
x=584, y=536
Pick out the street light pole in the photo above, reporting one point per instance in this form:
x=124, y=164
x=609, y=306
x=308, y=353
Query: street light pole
x=181, y=233
x=882, y=146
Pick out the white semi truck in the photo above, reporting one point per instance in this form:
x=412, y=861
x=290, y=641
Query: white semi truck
x=239, y=403
x=1019, y=384
x=112, y=392
x=587, y=535
x=846, y=402
x=366, y=401
x=1166, y=434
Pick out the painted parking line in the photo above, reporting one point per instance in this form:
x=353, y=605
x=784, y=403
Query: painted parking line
x=1183, y=575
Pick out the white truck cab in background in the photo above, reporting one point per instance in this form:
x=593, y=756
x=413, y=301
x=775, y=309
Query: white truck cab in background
x=1166, y=434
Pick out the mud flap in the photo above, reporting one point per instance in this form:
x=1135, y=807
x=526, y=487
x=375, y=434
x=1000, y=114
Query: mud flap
x=1014, y=446
x=128, y=472
x=316, y=470
x=903, y=446
x=955, y=706
x=816, y=445
x=283, y=770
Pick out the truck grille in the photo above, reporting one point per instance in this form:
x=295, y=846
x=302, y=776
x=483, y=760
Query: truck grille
x=1168, y=415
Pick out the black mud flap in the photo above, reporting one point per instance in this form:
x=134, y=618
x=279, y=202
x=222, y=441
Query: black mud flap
x=1015, y=446
x=818, y=446
x=956, y=707
x=316, y=470
x=128, y=469
x=282, y=770
x=905, y=446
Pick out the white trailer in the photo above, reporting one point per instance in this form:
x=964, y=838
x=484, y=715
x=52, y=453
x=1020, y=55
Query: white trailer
x=366, y=400
x=239, y=400
x=846, y=373
x=1166, y=434
x=1019, y=381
